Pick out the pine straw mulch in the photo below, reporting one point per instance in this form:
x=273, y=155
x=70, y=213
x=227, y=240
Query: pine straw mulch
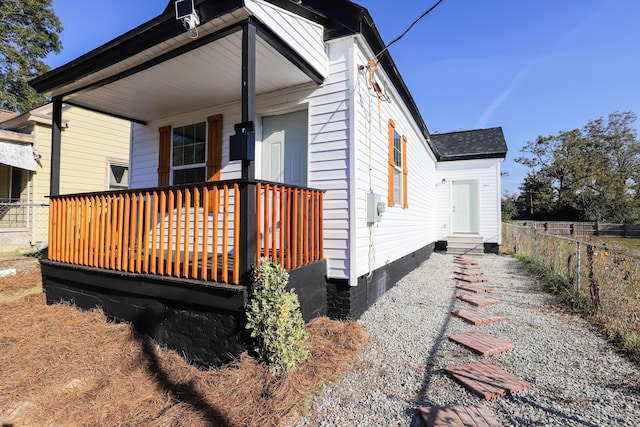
x=23, y=281
x=62, y=366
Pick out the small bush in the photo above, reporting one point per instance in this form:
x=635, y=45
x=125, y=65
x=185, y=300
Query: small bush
x=275, y=320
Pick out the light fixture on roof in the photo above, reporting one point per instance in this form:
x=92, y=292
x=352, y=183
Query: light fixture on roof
x=187, y=13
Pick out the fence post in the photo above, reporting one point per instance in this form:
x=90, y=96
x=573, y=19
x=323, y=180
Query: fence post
x=577, y=267
x=594, y=288
x=571, y=231
x=535, y=243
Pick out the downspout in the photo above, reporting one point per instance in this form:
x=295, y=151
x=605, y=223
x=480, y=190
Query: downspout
x=352, y=187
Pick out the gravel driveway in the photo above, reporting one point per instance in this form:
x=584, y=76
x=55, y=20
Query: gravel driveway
x=576, y=377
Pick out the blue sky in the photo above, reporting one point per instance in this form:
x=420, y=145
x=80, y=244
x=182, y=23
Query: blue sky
x=533, y=67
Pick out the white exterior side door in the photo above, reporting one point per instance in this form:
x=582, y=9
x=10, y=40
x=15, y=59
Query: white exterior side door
x=464, y=207
x=284, y=140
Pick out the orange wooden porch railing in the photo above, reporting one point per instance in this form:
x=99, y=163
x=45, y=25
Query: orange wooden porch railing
x=188, y=232
x=289, y=224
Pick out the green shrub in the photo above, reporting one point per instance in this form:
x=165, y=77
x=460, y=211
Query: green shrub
x=275, y=320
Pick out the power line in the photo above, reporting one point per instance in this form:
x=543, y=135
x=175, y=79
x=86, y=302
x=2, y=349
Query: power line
x=409, y=29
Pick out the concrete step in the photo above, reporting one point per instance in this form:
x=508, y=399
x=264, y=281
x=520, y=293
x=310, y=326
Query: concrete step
x=470, y=244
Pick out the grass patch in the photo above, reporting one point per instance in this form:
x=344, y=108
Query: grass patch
x=626, y=340
x=631, y=245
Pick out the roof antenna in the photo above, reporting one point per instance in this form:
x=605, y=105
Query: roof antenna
x=187, y=13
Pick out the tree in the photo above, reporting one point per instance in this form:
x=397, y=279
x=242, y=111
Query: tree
x=538, y=196
x=592, y=172
x=28, y=33
x=509, y=207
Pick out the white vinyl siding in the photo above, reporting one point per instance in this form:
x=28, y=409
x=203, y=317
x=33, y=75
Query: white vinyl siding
x=328, y=149
x=304, y=36
x=401, y=231
x=486, y=172
x=342, y=119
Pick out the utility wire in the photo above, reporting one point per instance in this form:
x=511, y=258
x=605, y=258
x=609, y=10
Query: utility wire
x=409, y=29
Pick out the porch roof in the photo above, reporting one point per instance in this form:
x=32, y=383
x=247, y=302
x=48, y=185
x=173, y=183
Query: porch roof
x=121, y=77
x=159, y=69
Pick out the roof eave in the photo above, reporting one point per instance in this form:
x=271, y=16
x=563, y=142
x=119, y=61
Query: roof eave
x=145, y=36
x=371, y=34
x=16, y=137
x=477, y=156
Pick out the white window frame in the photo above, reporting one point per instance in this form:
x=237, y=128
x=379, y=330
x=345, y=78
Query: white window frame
x=202, y=165
x=397, y=172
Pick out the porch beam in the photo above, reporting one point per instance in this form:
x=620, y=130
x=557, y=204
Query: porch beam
x=248, y=244
x=106, y=113
x=56, y=142
x=291, y=55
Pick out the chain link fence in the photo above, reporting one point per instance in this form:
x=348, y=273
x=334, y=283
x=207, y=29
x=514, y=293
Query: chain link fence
x=604, y=278
x=24, y=228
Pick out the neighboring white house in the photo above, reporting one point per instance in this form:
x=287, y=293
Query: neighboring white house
x=326, y=115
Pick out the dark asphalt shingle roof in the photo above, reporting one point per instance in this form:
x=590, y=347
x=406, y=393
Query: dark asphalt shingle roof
x=470, y=144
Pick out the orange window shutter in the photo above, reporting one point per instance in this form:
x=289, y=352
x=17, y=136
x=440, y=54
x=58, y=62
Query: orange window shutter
x=214, y=147
x=405, y=192
x=164, y=156
x=392, y=127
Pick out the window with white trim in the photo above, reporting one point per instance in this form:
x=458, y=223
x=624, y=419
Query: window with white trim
x=189, y=154
x=397, y=168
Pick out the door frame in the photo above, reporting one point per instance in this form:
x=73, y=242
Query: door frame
x=260, y=134
x=473, y=206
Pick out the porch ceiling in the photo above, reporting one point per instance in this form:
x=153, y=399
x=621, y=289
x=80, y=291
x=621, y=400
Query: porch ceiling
x=206, y=76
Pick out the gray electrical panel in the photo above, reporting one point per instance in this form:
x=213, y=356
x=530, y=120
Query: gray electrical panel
x=375, y=207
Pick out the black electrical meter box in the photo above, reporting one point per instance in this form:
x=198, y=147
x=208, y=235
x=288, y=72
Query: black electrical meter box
x=242, y=145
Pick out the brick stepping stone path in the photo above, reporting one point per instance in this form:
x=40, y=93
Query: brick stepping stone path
x=469, y=271
x=482, y=343
x=465, y=263
x=477, y=300
x=486, y=380
x=482, y=378
x=463, y=258
x=468, y=278
x=458, y=416
x=477, y=317
x=473, y=288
